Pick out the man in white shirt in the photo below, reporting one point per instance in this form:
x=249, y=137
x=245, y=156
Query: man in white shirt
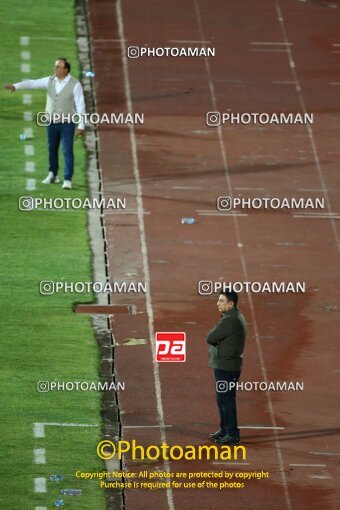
x=64, y=98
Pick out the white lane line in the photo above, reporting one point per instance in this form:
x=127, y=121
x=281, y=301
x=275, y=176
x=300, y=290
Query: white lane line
x=334, y=83
x=25, y=68
x=186, y=41
x=232, y=463
x=39, y=456
x=38, y=430
x=282, y=43
x=28, y=132
x=320, y=216
x=275, y=50
x=145, y=426
x=24, y=41
x=29, y=166
x=284, y=82
x=248, y=189
x=229, y=81
x=187, y=187
x=31, y=184
x=308, y=127
x=245, y=270
x=311, y=189
x=28, y=116
x=144, y=249
x=260, y=427
x=172, y=79
x=40, y=484
x=29, y=150
x=125, y=211
x=308, y=465
x=25, y=55
x=220, y=213
x=330, y=454
x=320, y=477
x=105, y=40
x=27, y=99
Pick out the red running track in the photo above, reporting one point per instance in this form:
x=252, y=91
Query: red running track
x=271, y=56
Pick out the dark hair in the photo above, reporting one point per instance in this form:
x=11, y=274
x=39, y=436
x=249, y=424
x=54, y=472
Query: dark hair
x=231, y=296
x=67, y=64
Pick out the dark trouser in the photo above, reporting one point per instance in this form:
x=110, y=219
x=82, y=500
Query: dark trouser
x=63, y=132
x=226, y=400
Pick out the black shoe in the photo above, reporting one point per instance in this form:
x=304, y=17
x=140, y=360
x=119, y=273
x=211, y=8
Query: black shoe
x=217, y=435
x=227, y=439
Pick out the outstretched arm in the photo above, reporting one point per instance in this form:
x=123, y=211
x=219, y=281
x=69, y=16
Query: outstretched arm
x=42, y=83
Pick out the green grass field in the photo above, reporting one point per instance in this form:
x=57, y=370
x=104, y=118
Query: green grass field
x=42, y=339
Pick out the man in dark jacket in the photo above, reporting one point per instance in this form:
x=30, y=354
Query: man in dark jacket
x=226, y=344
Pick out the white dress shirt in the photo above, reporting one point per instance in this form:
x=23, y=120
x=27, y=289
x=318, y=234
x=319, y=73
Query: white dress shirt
x=42, y=83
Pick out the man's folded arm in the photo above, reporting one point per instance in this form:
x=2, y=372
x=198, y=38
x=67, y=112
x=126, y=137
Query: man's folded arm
x=220, y=331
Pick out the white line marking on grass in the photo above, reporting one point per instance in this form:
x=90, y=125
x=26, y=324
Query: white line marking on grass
x=25, y=55
x=144, y=249
x=56, y=424
x=25, y=68
x=53, y=38
x=308, y=465
x=24, y=40
x=38, y=430
x=29, y=150
x=28, y=116
x=41, y=508
x=27, y=99
x=39, y=427
x=245, y=269
x=31, y=184
x=28, y=132
x=39, y=484
x=309, y=128
x=29, y=166
x=39, y=456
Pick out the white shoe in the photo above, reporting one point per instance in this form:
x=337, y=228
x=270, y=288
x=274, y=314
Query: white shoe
x=51, y=179
x=67, y=185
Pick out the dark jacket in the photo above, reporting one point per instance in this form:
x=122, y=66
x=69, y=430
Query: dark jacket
x=227, y=340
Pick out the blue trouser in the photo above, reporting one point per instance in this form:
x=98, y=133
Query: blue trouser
x=226, y=400
x=65, y=133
